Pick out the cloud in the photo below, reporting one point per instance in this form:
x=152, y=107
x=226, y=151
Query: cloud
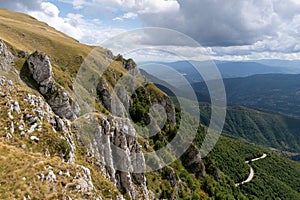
x=220, y=24
x=129, y=15
x=49, y=13
x=21, y=5
x=234, y=29
x=78, y=4
x=229, y=29
x=138, y=6
x=89, y=31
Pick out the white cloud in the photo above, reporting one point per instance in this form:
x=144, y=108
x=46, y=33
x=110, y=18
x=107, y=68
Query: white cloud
x=50, y=9
x=296, y=1
x=21, y=5
x=129, y=15
x=74, y=25
x=138, y=6
x=78, y=4
x=229, y=29
x=49, y=13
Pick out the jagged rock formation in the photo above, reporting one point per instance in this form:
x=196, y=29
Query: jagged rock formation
x=128, y=64
x=116, y=95
x=6, y=57
x=7, y=62
x=191, y=159
x=111, y=101
x=112, y=141
x=57, y=97
x=27, y=123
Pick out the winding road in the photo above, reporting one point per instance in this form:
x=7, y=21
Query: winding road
x=251, y=175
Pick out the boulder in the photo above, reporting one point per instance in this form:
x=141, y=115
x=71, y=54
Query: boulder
x=40, y=67
x=57, y=97
x=192, y=160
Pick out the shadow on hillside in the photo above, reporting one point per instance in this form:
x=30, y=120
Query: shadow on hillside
x=27, y=78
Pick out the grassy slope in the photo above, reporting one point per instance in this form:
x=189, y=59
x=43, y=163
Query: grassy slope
x=23, y=161
x=24, y=33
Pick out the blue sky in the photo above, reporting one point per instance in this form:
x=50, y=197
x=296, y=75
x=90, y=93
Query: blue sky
x=226, y=30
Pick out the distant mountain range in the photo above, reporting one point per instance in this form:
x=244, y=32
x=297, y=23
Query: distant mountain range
x=279, y=93
x=268, y=85
x=228, y=69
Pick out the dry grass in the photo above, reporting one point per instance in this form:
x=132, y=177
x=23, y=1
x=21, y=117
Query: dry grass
x=22, y=32
x=24, y=161
x=20, y=173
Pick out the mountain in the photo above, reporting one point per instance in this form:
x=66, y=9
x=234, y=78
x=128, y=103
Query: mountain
x=267, y=129
x=291, y=64
x=71, y=127
x=228, y=69
x=172, y=90
x=278, y=93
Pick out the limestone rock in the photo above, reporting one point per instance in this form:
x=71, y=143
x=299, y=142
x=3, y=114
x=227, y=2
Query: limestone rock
x=171, y=175
x=128, y=64
x=40, y=67
x=6, y=57
x=51, y=177
x=34, y=138
x=57, y=97
x=113, y=143
x=104, y=94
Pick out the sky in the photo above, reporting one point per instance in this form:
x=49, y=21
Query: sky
x=225, y=30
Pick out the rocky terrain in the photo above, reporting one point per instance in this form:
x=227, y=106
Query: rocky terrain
x=73, y=153
x=54, y=108
x=72, y=126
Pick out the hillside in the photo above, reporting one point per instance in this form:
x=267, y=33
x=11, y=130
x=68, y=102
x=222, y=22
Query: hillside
x=275, y=177
x=269, y=130
x=72, y=127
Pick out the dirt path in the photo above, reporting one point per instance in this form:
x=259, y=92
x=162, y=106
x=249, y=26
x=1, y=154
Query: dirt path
x=251, y=174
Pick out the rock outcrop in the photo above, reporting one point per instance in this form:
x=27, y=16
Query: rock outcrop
x=191, y=159
x=57, y=97
x=6, y=60
x=112, y=141
x=128, y=64
x=6, y=56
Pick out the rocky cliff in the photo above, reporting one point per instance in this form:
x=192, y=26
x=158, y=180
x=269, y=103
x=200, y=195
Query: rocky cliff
x=27, y=114
x=109, y=142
